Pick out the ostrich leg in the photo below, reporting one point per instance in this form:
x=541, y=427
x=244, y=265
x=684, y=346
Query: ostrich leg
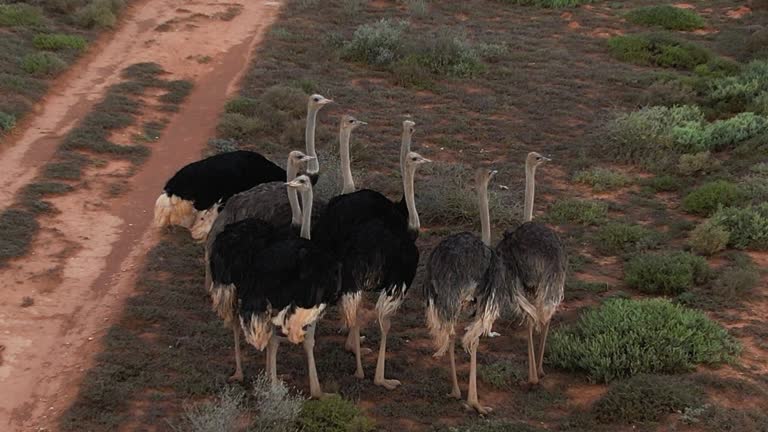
x=355, y=332
x=389, y=384
x=533, y=377
x=238, y=375
x=542, y=343
x=274, y=343
x=455, y=392
x=472, y=391
x=309, y=348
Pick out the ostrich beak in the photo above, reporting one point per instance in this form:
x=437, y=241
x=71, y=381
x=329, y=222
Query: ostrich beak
x=326, y=101
x=362, y=122
x=425, y=160
x=546, y=159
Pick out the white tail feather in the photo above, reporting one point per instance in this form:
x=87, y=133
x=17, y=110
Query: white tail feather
x=481, y=326
x=441, y=331
x=172, y=210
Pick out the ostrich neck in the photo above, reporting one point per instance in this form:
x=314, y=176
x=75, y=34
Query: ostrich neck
x=405, y=148
x=346, y=165
x=293, y=196
x=485, y=214
x=530, y=172
x=306, y=217
x=410, y=199
x=313, y=166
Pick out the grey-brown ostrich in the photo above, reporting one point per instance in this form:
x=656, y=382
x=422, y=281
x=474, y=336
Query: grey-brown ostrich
x=535, y=262
x=464, y=269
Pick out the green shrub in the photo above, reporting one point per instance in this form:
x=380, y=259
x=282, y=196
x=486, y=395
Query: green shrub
x=276, y=409
x=242, y=105
x=601, y=179
x=735, y=281
x=17, y=229
x=742, y=91
x=617, y=237
x=448, y=53
x=665, y=273
x=333, y=414
x=58, y=41
x=664, y=183
x=7, y=121
x=708, y=238
x=223, y=414
x=99, y=13
x=666, y=16
x=646, y=398
x=42, y=64
x=703, y=162
x=237, y=126
x=748, y=227
x=19, y=14
x=729, y=132
x=756, y=187
x=549, y=3
x=376, y=44
x=658, y=50
x=501, y=375
x=624, y=338
x=708, y=197
x=577, y=211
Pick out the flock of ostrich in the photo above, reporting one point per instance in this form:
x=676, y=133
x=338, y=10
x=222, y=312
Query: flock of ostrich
x=276, y=258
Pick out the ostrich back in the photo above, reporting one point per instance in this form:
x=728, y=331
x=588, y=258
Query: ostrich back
x=462, y=268
x=535, y=262
x=218, y=177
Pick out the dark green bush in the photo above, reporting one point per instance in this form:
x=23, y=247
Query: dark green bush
x=666, y=16
x=624, y=338
x=658, y=50
x=708, y=238
x=617, y=238
x=708, y=197
x=19, y=14
x=735, y=281
x=502, y=374
x=42, y=64
x=333, y=414
x=58, y=41
x=743, y=91
x=99, y=13
x=376, y=44
x=7, y=121
x=703, y=162
x=748, y=227
x=646, y=398
x=17, y=229
x=577, y=211
x=242, y=105
x=237, y=126
x=601, y=179
x=448, y=53
x=664, y=183
x=665, y=273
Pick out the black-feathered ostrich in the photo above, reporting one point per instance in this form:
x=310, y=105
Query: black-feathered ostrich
x=535, y=262
x=192, y=197
x=280, y=282
x=462, y=270
x=269, y=203
x=374, y=240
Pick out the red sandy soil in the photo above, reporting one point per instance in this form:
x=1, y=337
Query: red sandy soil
x=81, y=266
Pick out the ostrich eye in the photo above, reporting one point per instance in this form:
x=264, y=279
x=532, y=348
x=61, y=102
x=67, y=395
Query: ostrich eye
x=317, y=99
x=413, y=159
x=351, y=121
x=538, y=158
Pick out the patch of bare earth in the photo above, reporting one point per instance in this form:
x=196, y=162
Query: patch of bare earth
x=81, y=264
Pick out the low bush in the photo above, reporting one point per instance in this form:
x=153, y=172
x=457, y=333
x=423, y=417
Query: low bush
x=99, y=13
x=223, y=414
x=501, y=375
x=748, y=227
x=333, y=414
x=243, y=105
x=740, y=92
x=549, y=3
x=665, y=273
x=698, y=163
x=708, y=238
x=42, y=64
x=448, y=53
x=756, y=187
x=658, y=50
x=417, y=8
x=377, y=44
x=17, y=229
x=734, y=281
x=19, y=15
x=7, y=121
x=727, y=133
x=618, y=237
x=664, y=183
x=646, y=398
x=601, y=179
x=708, y=197
x=623, y=338
x=237, y=126
x=277, y=410
x=58, y=41
x=484, y=425
x=577, y=211
x=666, y=16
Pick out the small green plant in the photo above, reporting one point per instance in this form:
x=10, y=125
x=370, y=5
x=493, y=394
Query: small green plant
x=17, y=229
x=748, y=227
x=220, y=415
x=242, y=105
x=666, y=16
x=601, y=179
x=238, y=126
x=333, y=414
x=7, y=121
x=618, y=237
x=646, y=398
x=42, y=64
x=502, y=374
x=665, y=273
x=658, y=50
x=743, y=91
x=624, y=338
x=376, y=44
x=663, y=183
x=19, y=15
x=708, y=238
x=58, y=41
x=577, y=211
x=706, y=199
x=99, y=13
x=276, y=409
x=448, y=53
x=698, y=163
x=736, y=280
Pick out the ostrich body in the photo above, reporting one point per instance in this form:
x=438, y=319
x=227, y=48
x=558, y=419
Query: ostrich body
x=192, y=197
x=266, y=202
x=280, y=281
x=536, y=264
x=375, y=243
x=463, y=269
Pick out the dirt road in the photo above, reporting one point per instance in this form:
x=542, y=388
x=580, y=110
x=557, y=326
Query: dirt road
x=81, y=265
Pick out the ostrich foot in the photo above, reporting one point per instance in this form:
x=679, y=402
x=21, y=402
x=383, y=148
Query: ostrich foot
x=456, y=394
x=475, y=406
x=494, y=334
x=236, y=377
x=541, y=373
x=389, y=384
x=359, y=374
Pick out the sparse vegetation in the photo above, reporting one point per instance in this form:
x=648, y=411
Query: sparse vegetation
x=221, y=415
x=42, y=64
x=601, y=179
x=658, y=50
x=618, y=237
x=707, y=198
x=624, y=338
x=666, y=16
x=666, y=272
x=708, y=238
x=19, y=15
x=577, y=211
x=502, y=374
x=664, y=183
x=333, y=414
x=58, y=41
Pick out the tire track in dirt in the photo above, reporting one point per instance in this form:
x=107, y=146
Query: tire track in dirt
x=80, y=268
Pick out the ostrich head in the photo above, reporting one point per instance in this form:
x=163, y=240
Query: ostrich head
x=296, y=158
x=413, y=160
x=409, y=127
x=484, y=175
x=301, y=183
x=294, y=321
x=535, y=159
x=350, y=123
x=317, y=101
